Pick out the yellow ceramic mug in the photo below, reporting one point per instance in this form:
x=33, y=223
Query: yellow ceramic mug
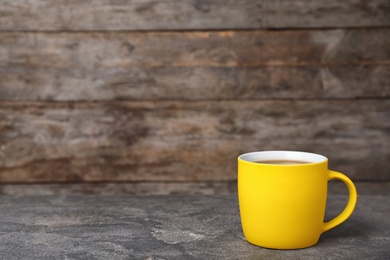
x=282, y=206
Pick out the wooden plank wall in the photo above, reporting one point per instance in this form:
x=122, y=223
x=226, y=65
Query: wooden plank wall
x=162, y=96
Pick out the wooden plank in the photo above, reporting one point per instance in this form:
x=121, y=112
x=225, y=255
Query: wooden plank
x=196, y=49
x=369, y=81
x=166, y=188
x=207, y=65
x=189, y=14
x=137, y=188
x=186, y=141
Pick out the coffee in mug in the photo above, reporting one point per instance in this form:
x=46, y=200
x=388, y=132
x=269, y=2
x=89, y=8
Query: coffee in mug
x=286, y=162
x=282, y=198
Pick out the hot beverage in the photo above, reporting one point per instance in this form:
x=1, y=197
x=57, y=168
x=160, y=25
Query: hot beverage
x=285, y=162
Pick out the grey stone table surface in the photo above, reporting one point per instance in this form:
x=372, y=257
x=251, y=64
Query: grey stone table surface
x=171, y=227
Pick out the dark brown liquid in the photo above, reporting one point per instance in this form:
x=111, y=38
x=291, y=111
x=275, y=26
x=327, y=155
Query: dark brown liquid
x=284, y=162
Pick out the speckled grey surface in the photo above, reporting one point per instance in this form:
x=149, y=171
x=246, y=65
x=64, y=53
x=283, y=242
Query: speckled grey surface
x=171, y=227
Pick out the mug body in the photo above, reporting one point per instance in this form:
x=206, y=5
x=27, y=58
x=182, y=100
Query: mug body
x=282, y=206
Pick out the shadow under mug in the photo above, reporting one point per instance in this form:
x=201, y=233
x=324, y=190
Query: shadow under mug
x=282, y=206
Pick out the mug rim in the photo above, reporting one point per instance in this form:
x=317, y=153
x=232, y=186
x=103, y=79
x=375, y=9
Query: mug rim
x=255, y=157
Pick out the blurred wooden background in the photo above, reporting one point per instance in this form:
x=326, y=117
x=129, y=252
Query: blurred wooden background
x=157, y=97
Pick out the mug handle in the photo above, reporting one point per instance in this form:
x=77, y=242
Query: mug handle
x=351, y=201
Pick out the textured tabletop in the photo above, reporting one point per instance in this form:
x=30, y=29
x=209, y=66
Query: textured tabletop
x=171, y=227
